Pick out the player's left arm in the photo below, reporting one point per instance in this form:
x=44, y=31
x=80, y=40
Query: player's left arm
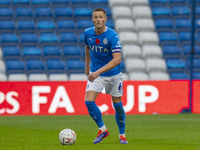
x=113, y=63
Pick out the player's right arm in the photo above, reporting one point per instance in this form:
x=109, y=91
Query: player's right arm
x=87, y=60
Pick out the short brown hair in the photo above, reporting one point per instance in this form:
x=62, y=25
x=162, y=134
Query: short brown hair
x=99, y=9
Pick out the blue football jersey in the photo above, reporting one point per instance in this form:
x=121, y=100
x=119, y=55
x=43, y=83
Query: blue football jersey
x=101, y=48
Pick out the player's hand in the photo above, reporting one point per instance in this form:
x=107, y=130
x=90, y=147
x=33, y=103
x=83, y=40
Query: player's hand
x=93, y=76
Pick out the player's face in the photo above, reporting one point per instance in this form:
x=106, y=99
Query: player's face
x=99, y=19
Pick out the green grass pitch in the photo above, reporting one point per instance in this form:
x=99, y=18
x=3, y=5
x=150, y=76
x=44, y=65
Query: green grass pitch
x=144, y=132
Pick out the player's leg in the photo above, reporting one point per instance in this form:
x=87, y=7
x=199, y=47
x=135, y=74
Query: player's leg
x=95, y=113
x=120, y=118
x=115, y=88
x=93, y=109
x=92, y=91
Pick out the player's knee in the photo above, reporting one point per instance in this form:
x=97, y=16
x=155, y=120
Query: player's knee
x=91, y=95
x=89, y=98
x=116, y=99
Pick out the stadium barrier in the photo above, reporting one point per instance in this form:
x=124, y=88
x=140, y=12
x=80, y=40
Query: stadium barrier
x=67, y=98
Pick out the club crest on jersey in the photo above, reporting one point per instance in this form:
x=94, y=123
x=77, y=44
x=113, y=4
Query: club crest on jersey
x=105, y=41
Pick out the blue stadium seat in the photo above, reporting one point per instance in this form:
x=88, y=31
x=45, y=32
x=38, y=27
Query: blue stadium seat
x=5, y=3
x=6, y=13
x=21, y=2
x=72, y=52
x=81, y=37
x=180, y=11
x=198, y=37
x=66, y=25
x=75, y=66
x=83, y=51
x=161, y=12
x=185, y=36
x=24, y=12
x=197, y=50
x=51, y=51
x=55, y=66
x=70, y=38
x=173, y=63
x=197, y=10
x=63, y=12
x=25, y=25
x=9, y=38
x=28, y=38
x=2, y=2
x=11, y=52
x=163, y=24
x=43, y=12
x=39, y=3
x=179, y=76
x=196, y=75
x=171, y=51
x=168, y=37
x=183, y=24
x=31, y=52
x=196, y=63
x=99, y=3
x=60, y=2
x=6, y=25
x=15, y=66
x=83, y=24
x=82, y=13
x=158, y=2
x=45, y=25
x=186, y=48
x=48, y=37
x=79, y=3
x=35, y=65
x=177, y=2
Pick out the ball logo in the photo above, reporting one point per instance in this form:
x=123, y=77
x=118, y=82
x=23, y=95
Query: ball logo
x=97, y=41
x=68, y=139
x=105, y=41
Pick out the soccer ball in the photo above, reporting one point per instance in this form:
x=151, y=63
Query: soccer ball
x=67, y=137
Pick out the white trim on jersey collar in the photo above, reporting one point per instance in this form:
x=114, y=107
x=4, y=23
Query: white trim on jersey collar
x=106, y=29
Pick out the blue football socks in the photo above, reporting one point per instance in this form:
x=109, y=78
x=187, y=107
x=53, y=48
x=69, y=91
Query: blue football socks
x=95, y=113
x=120, y=117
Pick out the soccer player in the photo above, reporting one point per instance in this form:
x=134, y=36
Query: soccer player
x=103, y=65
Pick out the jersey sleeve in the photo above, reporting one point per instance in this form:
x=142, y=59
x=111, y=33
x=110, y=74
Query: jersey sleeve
x=115, y=44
